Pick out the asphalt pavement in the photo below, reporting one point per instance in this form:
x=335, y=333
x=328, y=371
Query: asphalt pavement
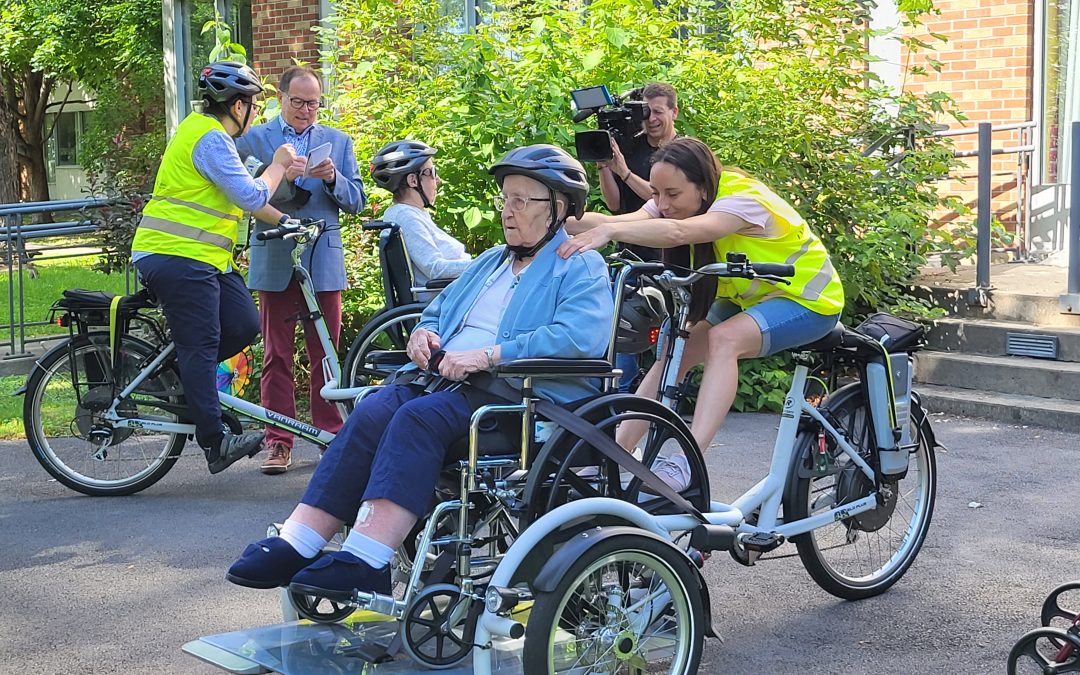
x=117, y=585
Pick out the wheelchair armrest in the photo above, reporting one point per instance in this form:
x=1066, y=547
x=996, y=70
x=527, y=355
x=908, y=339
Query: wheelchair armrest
x=437, y=284
x=388, y=359
x=555, y=368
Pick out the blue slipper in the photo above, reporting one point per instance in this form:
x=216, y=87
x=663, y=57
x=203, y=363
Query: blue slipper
x=339, y=575
x=268, y=563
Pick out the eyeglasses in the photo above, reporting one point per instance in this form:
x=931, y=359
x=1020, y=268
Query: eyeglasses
x=300, y=103
x=430, y=173
x=517, y=204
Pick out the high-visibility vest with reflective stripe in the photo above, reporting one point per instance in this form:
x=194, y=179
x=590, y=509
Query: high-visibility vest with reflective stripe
x=188, y=216
x=816, y=285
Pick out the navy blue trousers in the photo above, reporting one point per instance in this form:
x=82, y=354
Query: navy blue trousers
x=212, y=318
x=392, y=447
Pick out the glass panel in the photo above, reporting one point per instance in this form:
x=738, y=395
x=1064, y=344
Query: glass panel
x=198, y=45
x=239, y=14
x=1061, y=93
x=67, y=139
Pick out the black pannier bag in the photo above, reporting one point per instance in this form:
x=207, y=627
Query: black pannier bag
x=892, y=332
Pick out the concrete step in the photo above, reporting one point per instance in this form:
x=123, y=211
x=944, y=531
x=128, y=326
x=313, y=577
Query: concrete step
x=1052, y=413
x=987, y=336
x=1037, y=310
x=1002, y=374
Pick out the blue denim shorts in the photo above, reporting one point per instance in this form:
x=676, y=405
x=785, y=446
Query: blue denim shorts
x=784, y=323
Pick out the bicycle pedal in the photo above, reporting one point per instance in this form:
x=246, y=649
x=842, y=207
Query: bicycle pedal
x=762, y=542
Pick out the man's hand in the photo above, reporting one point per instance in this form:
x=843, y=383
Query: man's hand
x=618, y=162
x=324, y=171
x=284, y=155
x=422, y=344
x=296, y=169
x=458, y=365
x=590, y=240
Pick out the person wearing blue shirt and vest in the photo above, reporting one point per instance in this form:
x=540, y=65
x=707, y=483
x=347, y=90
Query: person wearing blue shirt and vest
x=184, y=244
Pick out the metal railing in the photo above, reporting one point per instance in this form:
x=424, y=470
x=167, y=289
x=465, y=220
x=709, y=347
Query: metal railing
x=51, y=241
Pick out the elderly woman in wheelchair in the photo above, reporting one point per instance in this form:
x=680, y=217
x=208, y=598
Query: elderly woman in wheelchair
x=518, y=301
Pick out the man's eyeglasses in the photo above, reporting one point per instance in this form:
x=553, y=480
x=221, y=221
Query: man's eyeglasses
x=298, y=103
x=517, y=204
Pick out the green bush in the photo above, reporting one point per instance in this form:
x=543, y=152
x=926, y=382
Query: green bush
x=779, y=90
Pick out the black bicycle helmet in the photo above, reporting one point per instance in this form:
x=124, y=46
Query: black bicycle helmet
x=396, y=160
x=221, y=81
x=552, y=166
x=642, y=311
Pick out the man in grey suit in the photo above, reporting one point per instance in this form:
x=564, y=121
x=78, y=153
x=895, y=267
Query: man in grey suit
x=332, y=186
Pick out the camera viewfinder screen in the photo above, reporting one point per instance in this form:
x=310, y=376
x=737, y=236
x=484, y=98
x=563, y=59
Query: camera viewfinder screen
x=591, y=97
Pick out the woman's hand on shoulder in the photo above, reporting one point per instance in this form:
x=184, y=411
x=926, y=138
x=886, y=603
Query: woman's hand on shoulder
x=593, y=239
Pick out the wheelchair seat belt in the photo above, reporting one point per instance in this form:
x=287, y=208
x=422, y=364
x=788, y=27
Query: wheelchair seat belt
x=596, y=438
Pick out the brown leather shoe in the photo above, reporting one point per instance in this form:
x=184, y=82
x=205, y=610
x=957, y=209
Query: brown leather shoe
x=278, y=459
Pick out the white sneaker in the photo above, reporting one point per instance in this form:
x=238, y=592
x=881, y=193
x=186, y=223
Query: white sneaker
x=674, y=471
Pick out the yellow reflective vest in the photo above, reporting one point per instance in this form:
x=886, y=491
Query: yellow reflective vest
x=188, y=216
x=816, y=285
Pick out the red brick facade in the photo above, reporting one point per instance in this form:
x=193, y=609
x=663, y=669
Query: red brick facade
x=282, y=32
x=988, y=67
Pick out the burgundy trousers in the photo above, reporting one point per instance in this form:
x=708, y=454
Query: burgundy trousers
x=278, y=312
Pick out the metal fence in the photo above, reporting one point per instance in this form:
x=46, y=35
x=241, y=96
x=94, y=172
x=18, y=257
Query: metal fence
x=27, y=243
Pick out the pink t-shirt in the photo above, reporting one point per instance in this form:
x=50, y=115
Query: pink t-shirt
x=746, y=208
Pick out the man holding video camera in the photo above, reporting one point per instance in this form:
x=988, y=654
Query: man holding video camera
x=318, y=192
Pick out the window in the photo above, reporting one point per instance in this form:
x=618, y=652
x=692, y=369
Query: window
x=63, y=148
x=467, y=13
x=235, y=13
x=1061, y=87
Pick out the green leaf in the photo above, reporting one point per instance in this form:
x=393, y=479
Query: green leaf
x=538, y=26
x=473, y=217
x=592, y=60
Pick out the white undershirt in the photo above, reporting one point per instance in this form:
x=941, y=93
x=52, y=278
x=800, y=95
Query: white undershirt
x=482, y=322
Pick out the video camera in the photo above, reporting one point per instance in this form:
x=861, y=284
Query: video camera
x=619, y=117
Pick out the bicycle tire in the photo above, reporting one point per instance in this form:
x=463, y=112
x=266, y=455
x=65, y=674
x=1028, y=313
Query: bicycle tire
x=98, y=469
x=915, y=491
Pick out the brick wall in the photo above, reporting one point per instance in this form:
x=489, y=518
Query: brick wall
x=988, y=66
x=281, y=32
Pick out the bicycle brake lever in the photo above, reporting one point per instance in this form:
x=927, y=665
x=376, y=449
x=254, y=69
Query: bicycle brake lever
x=774, y=279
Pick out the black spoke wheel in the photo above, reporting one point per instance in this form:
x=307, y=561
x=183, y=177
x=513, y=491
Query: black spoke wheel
x=386, y=332
x=568, y=468
x=1046, y=651
x=320, y=610
x=1053, y=614
x=435, y=629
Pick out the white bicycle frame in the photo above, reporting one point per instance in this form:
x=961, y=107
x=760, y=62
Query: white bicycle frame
x=330, y=365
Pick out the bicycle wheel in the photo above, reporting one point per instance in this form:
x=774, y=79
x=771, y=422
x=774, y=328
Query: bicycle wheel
x=387, y=331
x=63, y=410
x=865, y=554
x=628, y=605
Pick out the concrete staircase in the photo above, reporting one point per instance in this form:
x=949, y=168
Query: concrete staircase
x=970, y=366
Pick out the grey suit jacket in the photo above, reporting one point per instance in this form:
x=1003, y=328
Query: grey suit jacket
x=270, y=267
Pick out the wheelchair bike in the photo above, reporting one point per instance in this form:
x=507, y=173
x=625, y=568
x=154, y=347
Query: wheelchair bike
x=1055, y=647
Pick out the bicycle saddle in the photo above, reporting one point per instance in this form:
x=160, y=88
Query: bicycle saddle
x=80, y=299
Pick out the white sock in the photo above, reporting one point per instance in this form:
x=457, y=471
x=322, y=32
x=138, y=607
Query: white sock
x=375, y=554
x=305, y=540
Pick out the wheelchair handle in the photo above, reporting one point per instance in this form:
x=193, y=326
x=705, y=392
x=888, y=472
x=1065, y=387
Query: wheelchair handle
x=377, y=225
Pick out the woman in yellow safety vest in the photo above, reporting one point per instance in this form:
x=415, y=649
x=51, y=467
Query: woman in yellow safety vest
x=184, y=244
x=698, y=205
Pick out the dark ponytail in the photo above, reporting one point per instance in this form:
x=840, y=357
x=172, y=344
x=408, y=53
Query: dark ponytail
x=700, y=166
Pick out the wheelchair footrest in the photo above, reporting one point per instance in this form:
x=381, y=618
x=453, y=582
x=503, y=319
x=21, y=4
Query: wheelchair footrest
x=712, y=537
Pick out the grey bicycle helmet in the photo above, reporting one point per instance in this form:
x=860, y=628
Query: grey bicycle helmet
x=641, y=312
x=222, y=81
x=552, y=166
x=396, y=160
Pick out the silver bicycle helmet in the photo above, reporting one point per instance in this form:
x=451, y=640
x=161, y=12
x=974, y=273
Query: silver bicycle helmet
x=396, y=160
x=222, y=81
x=550, y=165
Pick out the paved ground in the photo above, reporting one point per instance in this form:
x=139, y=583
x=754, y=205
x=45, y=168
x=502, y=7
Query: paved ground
x=117, y=585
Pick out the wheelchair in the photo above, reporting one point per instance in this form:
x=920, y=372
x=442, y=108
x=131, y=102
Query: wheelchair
x=1055, y=647
x=518, y=464
x=388, y=329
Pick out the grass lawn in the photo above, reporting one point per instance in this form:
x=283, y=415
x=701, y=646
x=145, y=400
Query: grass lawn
x=11, y=426
x=54, y=276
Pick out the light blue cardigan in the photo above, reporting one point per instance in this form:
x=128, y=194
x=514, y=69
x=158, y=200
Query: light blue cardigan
x=560, y=309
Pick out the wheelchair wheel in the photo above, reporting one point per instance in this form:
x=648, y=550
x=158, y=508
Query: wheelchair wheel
x=863, y=555
x=1045, y=650
x=386, y=331
x=626, y=605
x=319, y=610
x=568, y=468
x=1053, y=614
x=435, y=630
x=66, y=397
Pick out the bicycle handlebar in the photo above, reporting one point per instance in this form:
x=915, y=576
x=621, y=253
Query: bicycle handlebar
x=292, y=229
x=768, y=271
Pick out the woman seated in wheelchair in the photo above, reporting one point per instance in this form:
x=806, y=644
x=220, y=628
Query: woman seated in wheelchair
x=515, y=301
x=407, y=170
x=698, y=204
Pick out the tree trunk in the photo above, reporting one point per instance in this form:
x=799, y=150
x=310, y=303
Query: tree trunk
x=9, y=159
x=36, y=90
